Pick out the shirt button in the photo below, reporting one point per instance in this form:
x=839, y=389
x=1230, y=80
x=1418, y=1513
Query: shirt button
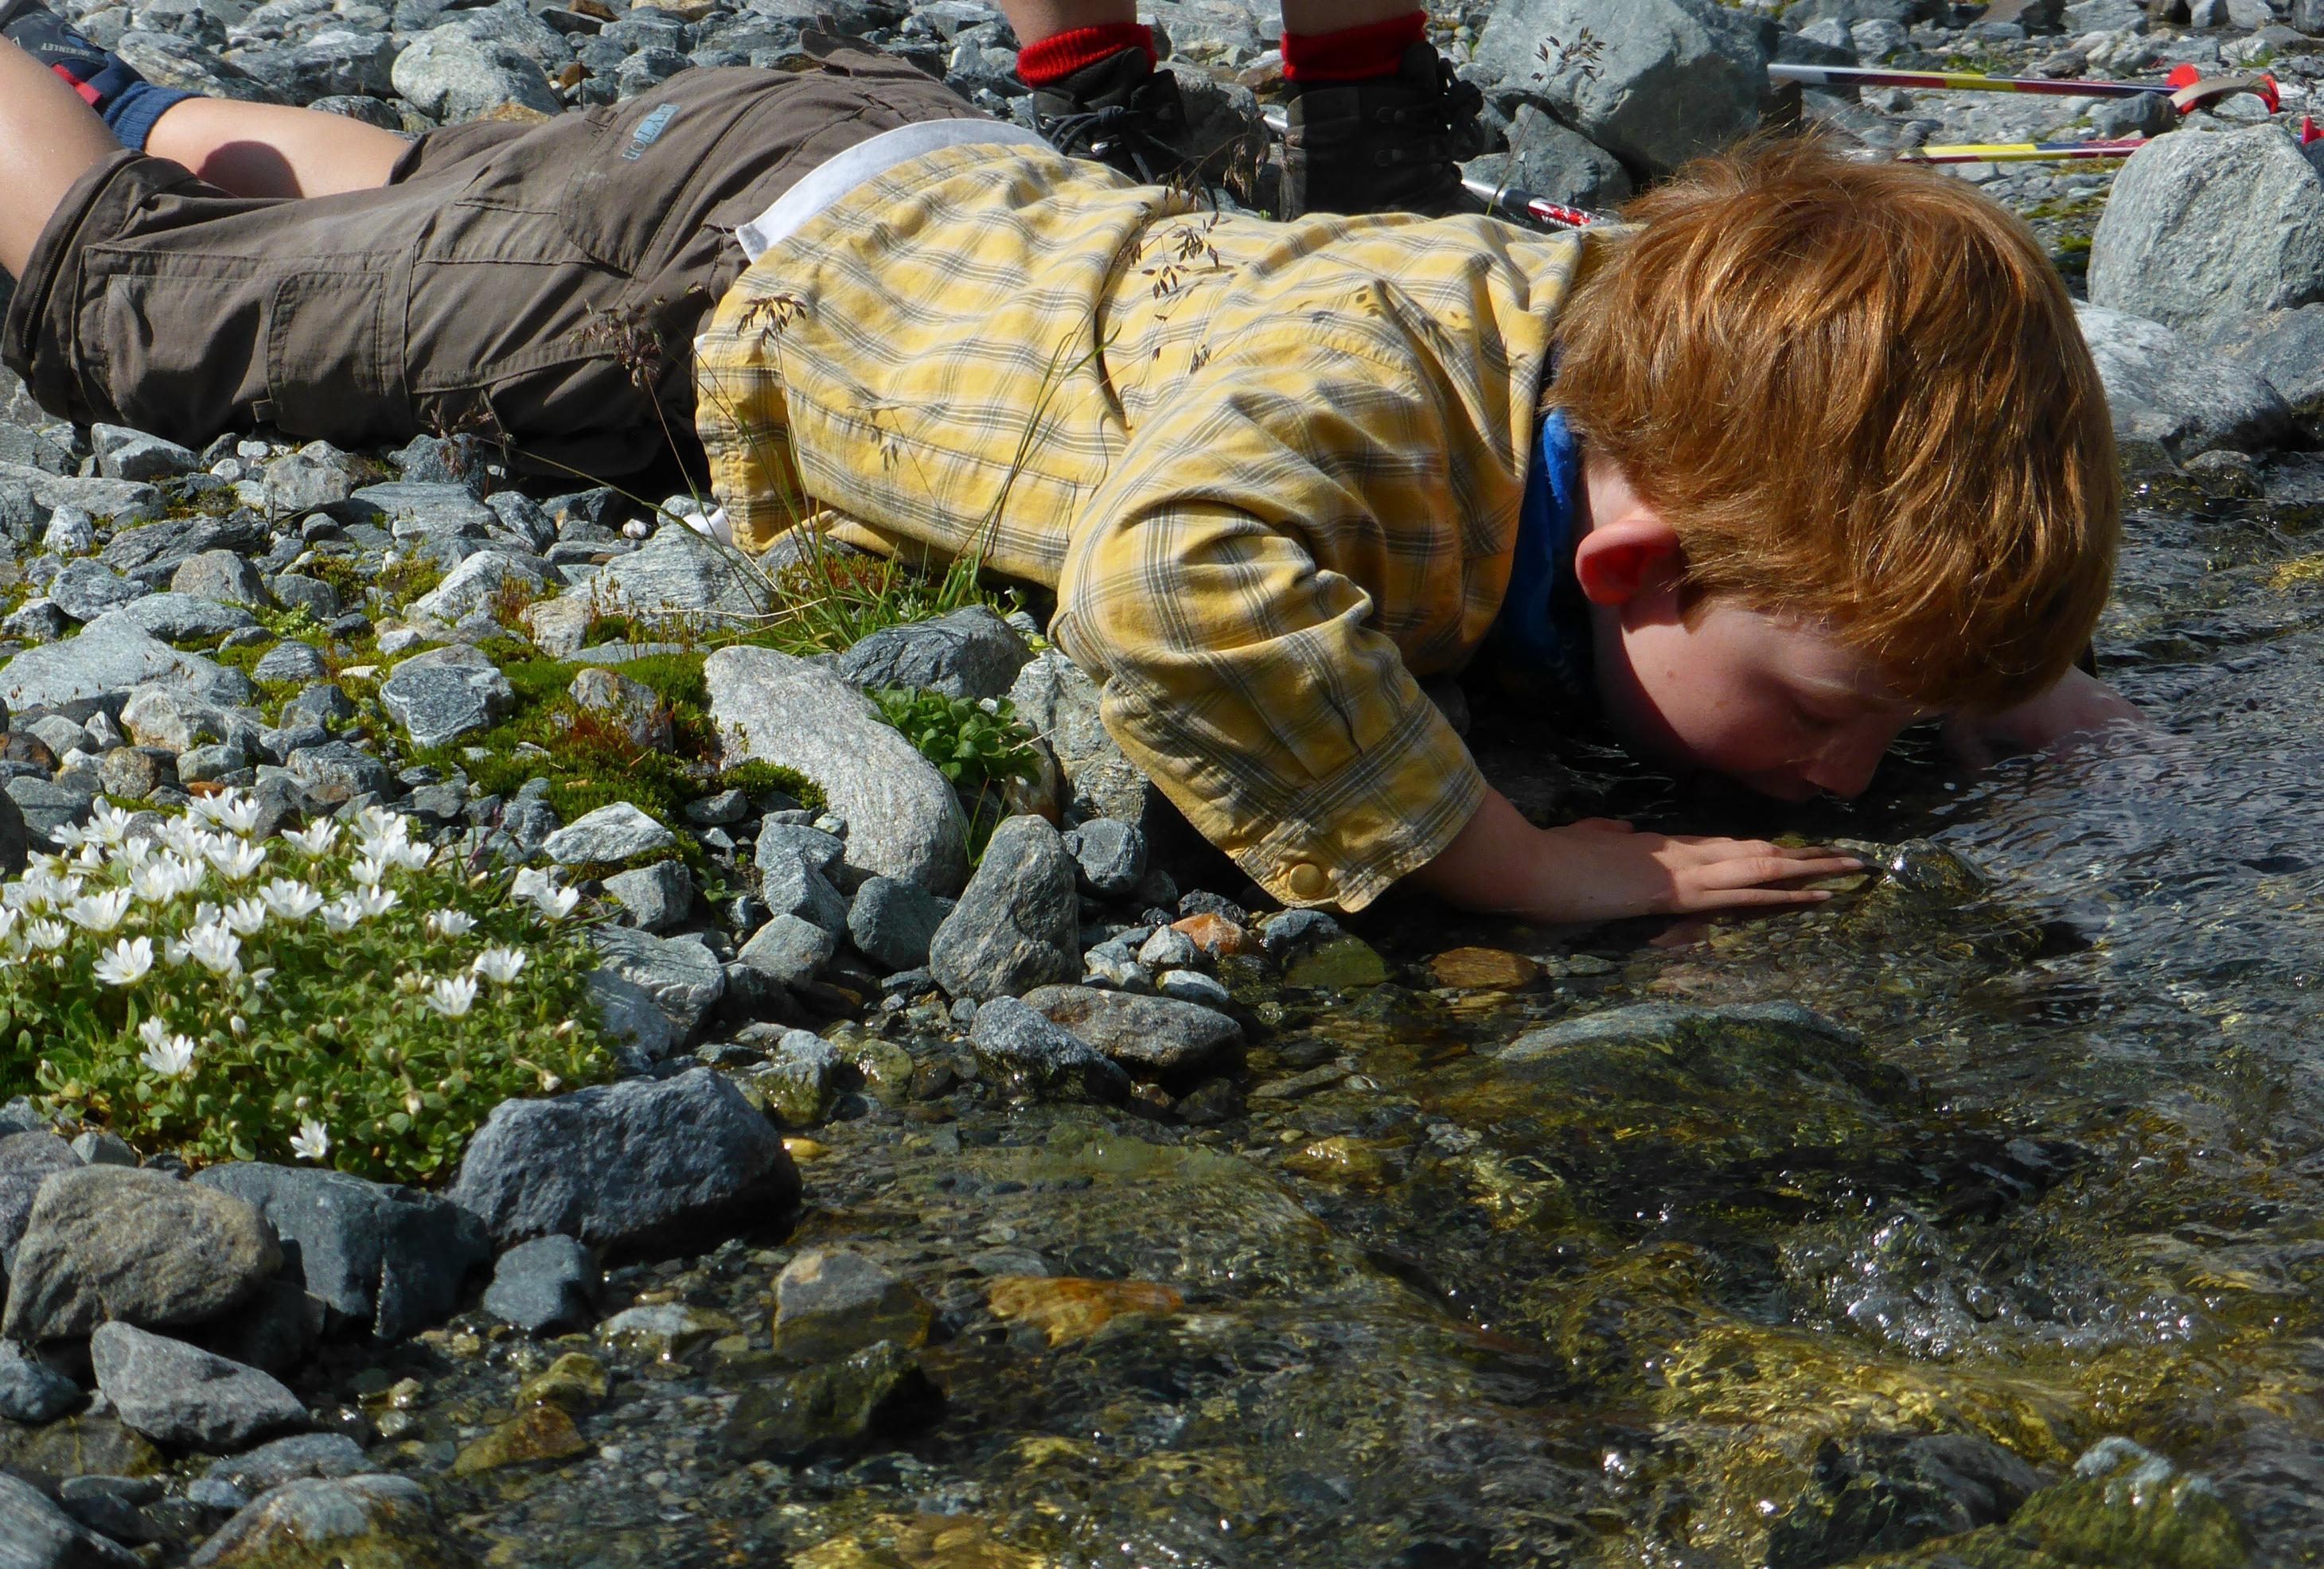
x=1308, y=881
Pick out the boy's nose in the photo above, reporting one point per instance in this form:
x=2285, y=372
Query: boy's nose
x=1846, y=767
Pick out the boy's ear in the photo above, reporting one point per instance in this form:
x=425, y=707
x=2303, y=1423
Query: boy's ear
x=1624, y=557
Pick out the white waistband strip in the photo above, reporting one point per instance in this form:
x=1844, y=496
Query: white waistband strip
x=842, y=173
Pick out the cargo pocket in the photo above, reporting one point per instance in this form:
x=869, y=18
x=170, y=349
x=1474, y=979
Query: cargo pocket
x=335, y=352
x=639, y=170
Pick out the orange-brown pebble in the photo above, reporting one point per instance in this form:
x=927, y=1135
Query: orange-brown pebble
x=1069, y=1308
x=1483, y=969
x=1215, y=933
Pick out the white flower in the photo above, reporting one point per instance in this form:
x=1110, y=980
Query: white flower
x=500, y=965
x=109, y=825
x=98, y=913
x=373, y=902
x=342, y=914
x=133, y=854
x=244, y=917
x=312, y=1143
x=452, y=997
x=315, y=841
x=68, y=835
x=90, y=856
x=163, y=878
x=47, y=936
x=173, y=1058
x=368, y=871
x=186, y=836
x=531, y=883
x=128, y=964
x=558, y=902
x=153, y=1031
x=411, y=857
x=215, y=949
x=451, y=923
x=291, y=900
x=233, y=859
x=235, y=811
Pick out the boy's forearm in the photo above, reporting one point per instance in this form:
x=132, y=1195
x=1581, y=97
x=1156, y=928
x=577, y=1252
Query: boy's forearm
x=1494, y=864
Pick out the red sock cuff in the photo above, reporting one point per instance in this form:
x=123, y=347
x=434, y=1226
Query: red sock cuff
x=1061, y=54
x=1353, y=54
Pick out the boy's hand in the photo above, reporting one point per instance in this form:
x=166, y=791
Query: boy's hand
x=1599, y=869
x=2079, y=705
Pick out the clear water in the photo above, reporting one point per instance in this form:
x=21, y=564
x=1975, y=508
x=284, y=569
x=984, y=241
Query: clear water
x=1676, y=1309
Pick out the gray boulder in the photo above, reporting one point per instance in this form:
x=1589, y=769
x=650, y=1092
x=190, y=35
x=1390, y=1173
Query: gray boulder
x=339, y=771
x=891, y=923
x=86, y=590
x=1017, y=924
x=1111, y=856
x=152, y=553
x=1556, y=161
x=26, y=1160
x=789, y=948
x=351, y=1520
x=2202, y=229
x=614, y=832
x=684, y=979
x=316, y=475
x=35, y=1534
x=176, y=617
x=180, y=1394
x=123, y=500
x=291, y=662
x=384, y=1258
x=477, y=582
x=904, y=820
x=2162, y=386
x=291, y=1459
x=654, y=897
x=139, y=1246
x=1159, y=1034
x=1669, y=80
x=630, y=1017
x=226, y=576
x=439, y=701
x=111, y=655
x=1043, y=1057
x=833, y=1301
x=971, y=653
x=449, y=78
x=2287, y=348
x=548, y=1283
x=1058, y=702
x=791, y=884
x=644, y=1164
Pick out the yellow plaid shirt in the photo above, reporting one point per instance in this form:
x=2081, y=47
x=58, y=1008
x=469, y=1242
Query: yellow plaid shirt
x=1272, y=470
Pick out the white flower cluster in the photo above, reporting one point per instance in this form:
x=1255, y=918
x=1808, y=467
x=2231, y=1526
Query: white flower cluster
x=189, y=908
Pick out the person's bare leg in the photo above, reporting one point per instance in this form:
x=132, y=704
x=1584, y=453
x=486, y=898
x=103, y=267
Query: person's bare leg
x=265, y=149
x=1305, y=16
x=1034, y=20
x=48, y=139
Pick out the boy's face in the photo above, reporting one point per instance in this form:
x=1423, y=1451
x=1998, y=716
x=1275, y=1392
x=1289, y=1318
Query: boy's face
x=1779, y=705
x=1782, y=707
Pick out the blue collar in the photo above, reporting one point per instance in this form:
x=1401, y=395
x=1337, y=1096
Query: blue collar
x=1543, y=627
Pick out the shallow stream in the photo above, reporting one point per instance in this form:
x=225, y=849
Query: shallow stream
x=2043, y=1173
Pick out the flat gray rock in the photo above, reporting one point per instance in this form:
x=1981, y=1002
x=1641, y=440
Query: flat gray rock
x=1017, y=924
x=971, y=653
x=613, y=833
x=629, y=1015
x=1679, y=1028
x=440, y=702
x=548, y=1283
x=180, y=1394
x=1669, y=81
x=118, y=1243
x=475, y=583
x=388, y=1259
x=110, y=655
x=675, y=581
x=684, y=979
x=2287, y=348
x=1161, y=1035
x=891, y=923
x=2162, y=386
x=1044, y=1058
x=654, y=897
x=120, y=500
x=789, y=948
x=644, y=1163
x=85, y=590
x=339, y=771
x=226, y=576
x=176, y=617
x=31, y=1390
x=2202, y=229
x=26, y=1160
x=904, y=820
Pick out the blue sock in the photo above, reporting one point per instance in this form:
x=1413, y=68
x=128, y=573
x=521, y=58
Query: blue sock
x=128, y=104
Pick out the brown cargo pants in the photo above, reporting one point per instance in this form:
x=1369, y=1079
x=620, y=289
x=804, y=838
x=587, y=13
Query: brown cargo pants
x=537, y=285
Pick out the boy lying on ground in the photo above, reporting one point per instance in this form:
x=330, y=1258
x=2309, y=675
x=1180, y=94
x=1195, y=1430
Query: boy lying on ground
x=1813, y=450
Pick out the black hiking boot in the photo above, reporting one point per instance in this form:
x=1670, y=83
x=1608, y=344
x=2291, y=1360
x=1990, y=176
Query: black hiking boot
x=1121, y=111
x=1383, y=144
x=127, y=102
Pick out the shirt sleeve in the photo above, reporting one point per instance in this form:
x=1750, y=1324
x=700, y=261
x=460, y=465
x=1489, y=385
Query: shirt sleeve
x=1234, y=584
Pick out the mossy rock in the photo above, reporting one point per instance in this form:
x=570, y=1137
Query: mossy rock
x=359, y=1522
x=76, y=1446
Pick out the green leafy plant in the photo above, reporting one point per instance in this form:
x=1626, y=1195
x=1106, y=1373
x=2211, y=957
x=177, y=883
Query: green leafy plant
x=350, y=998
x=972, y=746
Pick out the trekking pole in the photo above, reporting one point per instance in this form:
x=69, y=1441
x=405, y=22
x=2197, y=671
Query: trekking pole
x=2021, y=152
x=2187, y=88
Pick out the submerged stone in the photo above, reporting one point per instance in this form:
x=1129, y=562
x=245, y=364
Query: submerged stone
x=538, y=1433
x=1067, y=1310
x=830, y=1301
x=356, y=1522
x=833, y=1409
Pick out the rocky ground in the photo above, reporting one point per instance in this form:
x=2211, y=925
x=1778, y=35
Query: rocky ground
x=704, y=1310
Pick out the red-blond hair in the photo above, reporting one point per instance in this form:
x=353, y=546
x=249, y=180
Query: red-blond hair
x=1857, y=394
